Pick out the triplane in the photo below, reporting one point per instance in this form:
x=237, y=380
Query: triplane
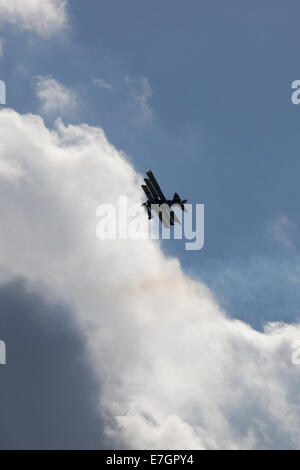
x=156, y=201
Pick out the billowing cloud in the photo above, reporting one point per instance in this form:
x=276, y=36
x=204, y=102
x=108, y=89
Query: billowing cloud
x=54, y=97
x=44, y=17
x=175, y=371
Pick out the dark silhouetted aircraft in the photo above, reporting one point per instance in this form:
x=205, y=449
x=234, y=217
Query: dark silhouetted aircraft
x=156, y=198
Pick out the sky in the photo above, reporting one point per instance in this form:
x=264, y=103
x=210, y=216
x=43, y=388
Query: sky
x=98, y=93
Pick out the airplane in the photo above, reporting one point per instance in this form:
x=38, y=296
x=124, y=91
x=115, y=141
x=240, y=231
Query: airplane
x=156, y=197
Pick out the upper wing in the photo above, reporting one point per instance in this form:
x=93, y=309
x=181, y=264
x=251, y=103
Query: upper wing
x=147, y=192
x=156, y=185
x=151, y=189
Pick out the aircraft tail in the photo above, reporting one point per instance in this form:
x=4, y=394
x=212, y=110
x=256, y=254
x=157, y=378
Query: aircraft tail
x=177, y=200
x=176, y=197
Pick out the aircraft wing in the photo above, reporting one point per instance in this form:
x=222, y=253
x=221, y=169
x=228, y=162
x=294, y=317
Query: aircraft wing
x=151, y=189
x=147, y=192
x=156, y=185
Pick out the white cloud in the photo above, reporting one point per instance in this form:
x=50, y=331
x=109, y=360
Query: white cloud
x=101, y=83
x=44, y=17
x=54, y=97
x=175, y=371
x=142, y=92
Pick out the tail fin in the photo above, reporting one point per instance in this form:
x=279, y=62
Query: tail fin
x=176, y=197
